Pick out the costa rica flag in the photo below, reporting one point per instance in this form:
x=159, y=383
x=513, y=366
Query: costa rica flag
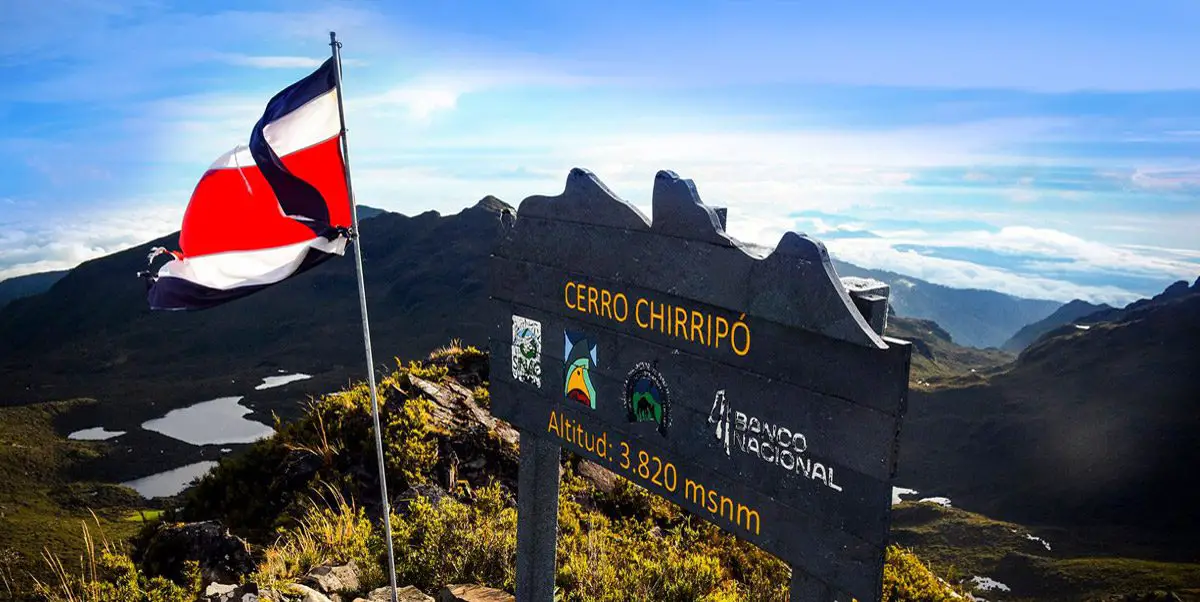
x=267, y=211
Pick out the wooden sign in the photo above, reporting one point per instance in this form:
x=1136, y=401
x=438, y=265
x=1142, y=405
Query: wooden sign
x=749, y=388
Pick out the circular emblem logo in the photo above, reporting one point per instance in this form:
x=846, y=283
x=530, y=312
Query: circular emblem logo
x=647, y=397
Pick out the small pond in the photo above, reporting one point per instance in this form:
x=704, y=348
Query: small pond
x=97, y=433
x=169, y=482
x=220, y=421
x=278, y=381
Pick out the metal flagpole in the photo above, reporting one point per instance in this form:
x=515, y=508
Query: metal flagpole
x=362, y=300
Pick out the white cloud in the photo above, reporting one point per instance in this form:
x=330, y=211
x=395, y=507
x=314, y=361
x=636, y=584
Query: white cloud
x=58, y=242
x=275, y=62
x=881, y=254
x=420, y=101
x=1023, y=196
x=280, y=62
x=1167, y=179
x=437, y=91
x=1040, y=257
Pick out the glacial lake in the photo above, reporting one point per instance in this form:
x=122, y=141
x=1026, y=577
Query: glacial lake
x=169, y=482
x=97, y=433
x=217, y=422
x=270, y=382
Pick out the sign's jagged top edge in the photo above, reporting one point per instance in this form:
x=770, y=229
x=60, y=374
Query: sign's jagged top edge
x=679, y=212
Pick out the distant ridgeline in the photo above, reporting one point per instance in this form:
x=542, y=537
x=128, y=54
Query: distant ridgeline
x=754, y=391
x=27, y=285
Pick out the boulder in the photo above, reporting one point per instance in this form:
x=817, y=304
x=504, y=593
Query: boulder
x=473, y=593
x=431, y=492
x=604, y=479
x=403, y=594
x=216, y=592
x=223, y=557
x=333, y=579
x=307, y=594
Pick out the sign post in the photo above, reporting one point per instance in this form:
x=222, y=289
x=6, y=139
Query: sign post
x=751, y=388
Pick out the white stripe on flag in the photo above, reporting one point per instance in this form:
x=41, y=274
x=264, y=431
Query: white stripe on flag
x=316, y=121
x=313, y=123
x=234, y=269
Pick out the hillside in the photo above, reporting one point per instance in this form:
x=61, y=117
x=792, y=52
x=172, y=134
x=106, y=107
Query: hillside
x=308, y=497
x=1062, y=316
x=33, y=284
x=46, y=494
x=27, y=285
x=1087, y=428
x=937, y=360
x=974, y=318
x=91, y=333
x=1177, y=290
x=1016, y=563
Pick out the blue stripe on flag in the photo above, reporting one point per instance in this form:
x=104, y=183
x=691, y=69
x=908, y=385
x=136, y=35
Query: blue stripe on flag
x=295, y=196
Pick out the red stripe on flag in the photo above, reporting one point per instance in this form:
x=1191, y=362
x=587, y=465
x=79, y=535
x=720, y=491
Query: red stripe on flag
x=223, y=215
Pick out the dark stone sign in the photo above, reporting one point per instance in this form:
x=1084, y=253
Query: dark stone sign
x=749, y=387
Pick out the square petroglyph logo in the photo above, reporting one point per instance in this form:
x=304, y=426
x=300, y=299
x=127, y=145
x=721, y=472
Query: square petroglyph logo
x=527, y=351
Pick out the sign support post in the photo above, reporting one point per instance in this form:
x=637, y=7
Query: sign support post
x=537, y=517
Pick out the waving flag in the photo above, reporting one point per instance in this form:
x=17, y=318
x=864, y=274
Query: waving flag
x=267, y=211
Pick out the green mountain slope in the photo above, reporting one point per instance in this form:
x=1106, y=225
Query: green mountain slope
x=937, y=360
x=27, y=285
x=1088, y=428
x=93, y=335
x=1062, y=316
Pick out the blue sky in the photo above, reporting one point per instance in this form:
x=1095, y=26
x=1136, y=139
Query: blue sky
x=1049, y=152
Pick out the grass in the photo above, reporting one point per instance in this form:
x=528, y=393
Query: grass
x=144, y=516
x=938, y=362
x=106, y=574
x=41, y=505
x=620, y=545
x=332, y=529
x=960, y=544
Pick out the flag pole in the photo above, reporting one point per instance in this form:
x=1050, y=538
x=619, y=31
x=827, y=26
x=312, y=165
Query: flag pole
x=356, y=238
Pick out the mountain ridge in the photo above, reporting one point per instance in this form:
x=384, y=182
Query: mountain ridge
x=19, y=287
x=975, y=317
x=1066, y=314
x=94, y=323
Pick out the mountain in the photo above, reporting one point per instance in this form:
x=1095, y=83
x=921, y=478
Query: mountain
x=973, y=317
x=365, y=212
x=32, y=284
x=937, y=360
x=92, y=335
x=1066, y=314
x=27, y=285
x=1090, y=427
x=1177, y=290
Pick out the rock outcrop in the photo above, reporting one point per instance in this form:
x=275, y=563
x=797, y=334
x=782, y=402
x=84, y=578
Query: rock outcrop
x=223, y=557
x=333, y=579
x=403, y=594
x=473, y=593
